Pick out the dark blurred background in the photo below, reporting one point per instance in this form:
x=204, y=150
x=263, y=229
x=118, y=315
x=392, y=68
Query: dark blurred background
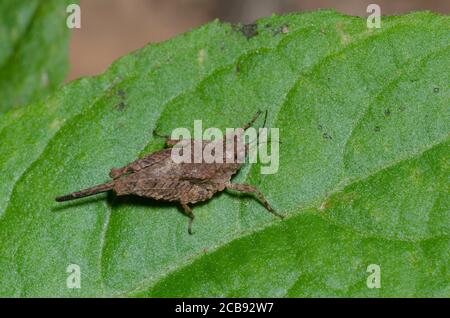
x=112, y=28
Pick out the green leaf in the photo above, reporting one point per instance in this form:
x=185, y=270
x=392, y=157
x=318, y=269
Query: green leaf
x=33, y=49
x=363, y=117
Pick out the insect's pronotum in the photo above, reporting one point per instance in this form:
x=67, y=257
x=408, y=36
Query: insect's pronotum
x=158, y=177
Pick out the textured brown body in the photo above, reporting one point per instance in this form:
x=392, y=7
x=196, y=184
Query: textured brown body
x=159, y=177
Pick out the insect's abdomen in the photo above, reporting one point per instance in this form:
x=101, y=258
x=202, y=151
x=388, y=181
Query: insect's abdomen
x=170, y=189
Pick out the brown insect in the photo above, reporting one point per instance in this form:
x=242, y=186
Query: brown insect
x=158, y=177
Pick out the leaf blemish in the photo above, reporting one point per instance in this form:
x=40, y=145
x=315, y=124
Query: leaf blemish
x=201, y=56
x=284, y=29
x=325, y=205
x=121, y=93
x=249, y=30
x=56, y=124
x=121, y=106
x=122, y=96
x=345, y=38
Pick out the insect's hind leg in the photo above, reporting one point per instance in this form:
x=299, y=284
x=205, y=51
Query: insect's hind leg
x=246, y=188
x=188, y=211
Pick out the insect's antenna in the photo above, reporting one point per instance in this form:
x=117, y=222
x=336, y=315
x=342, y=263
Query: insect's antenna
x=265, y=119
x=264, y=124
x=247, y=126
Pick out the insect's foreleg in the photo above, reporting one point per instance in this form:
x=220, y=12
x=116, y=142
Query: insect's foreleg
x=246, y=188
x=172, y=142
x=188, y=211
x=168, y=141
